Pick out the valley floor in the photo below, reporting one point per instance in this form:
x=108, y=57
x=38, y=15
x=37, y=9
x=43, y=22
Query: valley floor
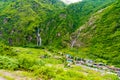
x=40, y=64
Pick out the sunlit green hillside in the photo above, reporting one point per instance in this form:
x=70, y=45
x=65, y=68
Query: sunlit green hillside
x=100, y=35
x=56, y=21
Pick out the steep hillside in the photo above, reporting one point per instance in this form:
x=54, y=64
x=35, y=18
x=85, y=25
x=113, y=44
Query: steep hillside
x=101, y=34
x=57, y=30
x=20, y=19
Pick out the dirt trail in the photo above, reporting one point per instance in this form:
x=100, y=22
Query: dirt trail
x=1, y=78
x=6, y=75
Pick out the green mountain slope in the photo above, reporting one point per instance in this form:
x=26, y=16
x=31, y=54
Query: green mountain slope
x=20, y=19
x=101, y=34
x=57, y=30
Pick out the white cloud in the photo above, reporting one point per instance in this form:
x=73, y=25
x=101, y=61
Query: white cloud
x=70, y=1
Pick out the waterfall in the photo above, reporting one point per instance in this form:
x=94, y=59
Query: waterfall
x=77, y=36
x=39, y=40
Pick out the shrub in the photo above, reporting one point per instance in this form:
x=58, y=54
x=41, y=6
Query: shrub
x=8, y=63
x=6, y=50
x=110, y=77
x=46, y=72
x=52, y=61
x=70, y=75
x=26, y=61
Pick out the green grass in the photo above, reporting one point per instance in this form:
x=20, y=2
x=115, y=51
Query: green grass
x=31, y=65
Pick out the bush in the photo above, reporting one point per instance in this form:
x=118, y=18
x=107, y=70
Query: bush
x=52, y=61
x=110, y=77
x=70, y=75
x=26, y=61
x=46, y=72
x=8, y=63
x=6, y=50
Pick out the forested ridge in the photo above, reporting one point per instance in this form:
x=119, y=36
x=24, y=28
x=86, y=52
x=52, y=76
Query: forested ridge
x=54, y=18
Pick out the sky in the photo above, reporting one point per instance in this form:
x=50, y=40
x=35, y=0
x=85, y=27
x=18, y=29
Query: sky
x=70, y=1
